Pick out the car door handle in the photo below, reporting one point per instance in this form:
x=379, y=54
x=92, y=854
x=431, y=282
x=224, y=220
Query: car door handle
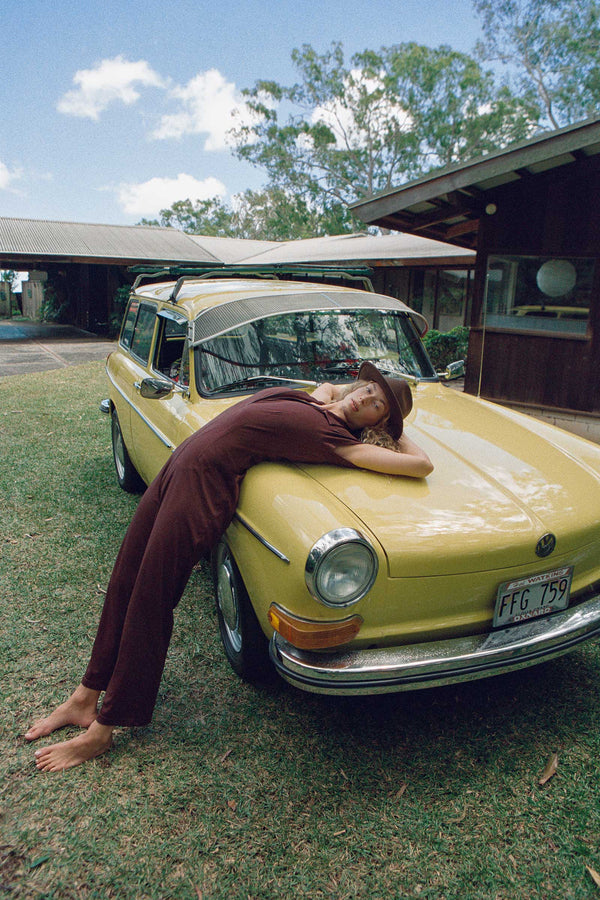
x=137, y=385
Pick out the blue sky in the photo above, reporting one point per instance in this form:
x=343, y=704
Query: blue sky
x=112, y=110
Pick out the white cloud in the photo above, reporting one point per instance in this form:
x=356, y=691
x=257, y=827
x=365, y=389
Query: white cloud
x=112, y=80
x=208, y=105
x=7, y=177
x=149, y=197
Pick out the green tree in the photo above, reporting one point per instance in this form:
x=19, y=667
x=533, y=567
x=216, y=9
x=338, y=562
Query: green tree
x=211, y=217
x=352, y=130
x=550, y=48
x=277, y=215
x=271, y=214
x=9, y=275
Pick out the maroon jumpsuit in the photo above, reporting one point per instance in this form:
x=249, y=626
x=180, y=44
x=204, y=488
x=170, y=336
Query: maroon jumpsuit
x=180, y=517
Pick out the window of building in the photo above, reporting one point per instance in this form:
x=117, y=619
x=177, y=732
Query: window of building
x=442, y=295
x=536, y=293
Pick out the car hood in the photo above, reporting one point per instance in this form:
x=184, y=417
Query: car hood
x=502, y=480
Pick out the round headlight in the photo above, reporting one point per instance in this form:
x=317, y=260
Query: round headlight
x=341, y=568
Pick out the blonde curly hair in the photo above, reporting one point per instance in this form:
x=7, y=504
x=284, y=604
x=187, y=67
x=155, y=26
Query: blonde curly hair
x=380, y=437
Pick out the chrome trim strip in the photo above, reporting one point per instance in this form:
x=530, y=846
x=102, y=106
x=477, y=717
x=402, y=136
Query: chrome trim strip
x=437, y=663
x=152, y=427
x=261, y=539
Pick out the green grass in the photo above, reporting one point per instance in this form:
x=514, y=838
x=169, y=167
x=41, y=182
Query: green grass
x=236, y=792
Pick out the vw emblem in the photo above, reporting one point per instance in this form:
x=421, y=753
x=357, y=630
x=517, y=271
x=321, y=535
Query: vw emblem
x=545, y=545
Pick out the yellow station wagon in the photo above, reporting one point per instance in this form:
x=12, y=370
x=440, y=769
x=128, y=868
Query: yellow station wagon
x=351, y=581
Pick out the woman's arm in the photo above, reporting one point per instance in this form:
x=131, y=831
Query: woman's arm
x=409, y=460
x=328, y=393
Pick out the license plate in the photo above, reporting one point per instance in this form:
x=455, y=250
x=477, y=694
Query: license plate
x=528, y=598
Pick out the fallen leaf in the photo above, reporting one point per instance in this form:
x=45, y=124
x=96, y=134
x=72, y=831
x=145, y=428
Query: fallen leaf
x=400, y=791
x=337, y=833
x=460, y=818
x=199, y=893
x=225, y=755
x=550, y=770
x=594, y=875
x=232, y=804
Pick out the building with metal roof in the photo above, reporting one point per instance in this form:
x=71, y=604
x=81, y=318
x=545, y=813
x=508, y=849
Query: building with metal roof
x=85, y=264
x=530, y=212
x=449, y=204
x=27, y=241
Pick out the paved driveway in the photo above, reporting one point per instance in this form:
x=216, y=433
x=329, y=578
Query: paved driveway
x=37, y=347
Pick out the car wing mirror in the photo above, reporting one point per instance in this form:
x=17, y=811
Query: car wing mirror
x=155, y=388
x=453, y=370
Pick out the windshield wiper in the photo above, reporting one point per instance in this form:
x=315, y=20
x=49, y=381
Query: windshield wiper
x=261, y=379
x=343, y=367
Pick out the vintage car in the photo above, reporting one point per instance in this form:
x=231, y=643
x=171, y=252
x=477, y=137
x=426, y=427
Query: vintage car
x=352, y=581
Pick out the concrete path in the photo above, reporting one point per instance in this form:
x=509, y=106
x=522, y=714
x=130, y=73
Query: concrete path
x=38, y=346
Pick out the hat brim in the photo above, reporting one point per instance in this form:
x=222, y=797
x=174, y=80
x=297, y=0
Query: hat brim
x=395, y=422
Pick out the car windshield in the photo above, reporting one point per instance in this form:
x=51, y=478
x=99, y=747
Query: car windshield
x=310, y=347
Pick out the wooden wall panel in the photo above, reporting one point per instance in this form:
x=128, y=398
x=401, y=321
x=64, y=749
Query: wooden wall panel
x=552, y=372
x=549, y=214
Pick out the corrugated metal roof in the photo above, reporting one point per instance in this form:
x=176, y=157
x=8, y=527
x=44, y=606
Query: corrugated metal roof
x=35, y=237
x=232, y=250
x=354, y=247
x=139, y=243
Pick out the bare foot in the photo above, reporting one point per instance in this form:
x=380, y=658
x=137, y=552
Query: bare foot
x=95, y=741
x=80, y=709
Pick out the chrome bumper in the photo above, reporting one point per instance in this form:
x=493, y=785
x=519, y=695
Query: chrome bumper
x=436, y=663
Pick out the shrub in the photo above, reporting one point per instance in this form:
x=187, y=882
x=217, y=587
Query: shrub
x=54, y=308
x=446, y=347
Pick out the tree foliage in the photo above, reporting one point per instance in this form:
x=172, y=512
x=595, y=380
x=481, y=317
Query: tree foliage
x=210, y=217
x=345, y=131
x=551, y=50
x=271, y=214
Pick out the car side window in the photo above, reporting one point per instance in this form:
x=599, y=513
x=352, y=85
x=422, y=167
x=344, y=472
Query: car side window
x=141, y=340
x=170, y=347
x=129, y=322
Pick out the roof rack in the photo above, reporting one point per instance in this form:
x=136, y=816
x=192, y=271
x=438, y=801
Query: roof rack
x=143, y=275
x=182, y=273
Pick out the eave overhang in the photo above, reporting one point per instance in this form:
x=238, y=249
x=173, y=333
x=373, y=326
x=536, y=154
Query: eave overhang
x=448, y=204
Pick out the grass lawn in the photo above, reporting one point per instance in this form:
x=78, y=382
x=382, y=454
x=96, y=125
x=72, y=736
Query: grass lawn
x=235, y=792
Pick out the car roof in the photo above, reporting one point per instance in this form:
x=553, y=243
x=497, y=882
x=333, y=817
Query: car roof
x=219, y=305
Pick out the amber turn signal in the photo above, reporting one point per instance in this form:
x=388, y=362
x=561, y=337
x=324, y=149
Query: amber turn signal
x=308, y=635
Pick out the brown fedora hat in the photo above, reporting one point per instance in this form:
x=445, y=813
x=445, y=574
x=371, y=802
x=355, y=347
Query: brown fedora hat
x=397, y=393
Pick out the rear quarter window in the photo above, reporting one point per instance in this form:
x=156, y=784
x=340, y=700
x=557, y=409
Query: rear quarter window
x=129, y=322
x=143, y=331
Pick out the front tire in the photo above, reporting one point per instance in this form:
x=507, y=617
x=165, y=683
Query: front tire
x=127, y=475
x=244, y=641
